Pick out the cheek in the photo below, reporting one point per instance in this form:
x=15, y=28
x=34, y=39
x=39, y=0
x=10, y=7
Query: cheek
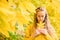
x=38, y=18
x=43, y=19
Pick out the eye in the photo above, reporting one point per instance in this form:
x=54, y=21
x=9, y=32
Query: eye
x=42, y=16
x=38, y=15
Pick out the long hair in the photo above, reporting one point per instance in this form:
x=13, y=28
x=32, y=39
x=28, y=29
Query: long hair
x=35, y=16
x=47, y=24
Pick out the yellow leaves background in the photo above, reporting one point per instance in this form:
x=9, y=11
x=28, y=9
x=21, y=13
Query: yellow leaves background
x=22, y=11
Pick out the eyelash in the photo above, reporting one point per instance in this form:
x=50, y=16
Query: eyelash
x=39, y=16
x=42, y=16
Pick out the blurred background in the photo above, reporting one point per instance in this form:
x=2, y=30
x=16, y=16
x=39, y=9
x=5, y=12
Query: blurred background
x=18, y=14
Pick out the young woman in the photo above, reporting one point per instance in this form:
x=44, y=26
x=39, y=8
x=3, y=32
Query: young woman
x=43, y=26
x=42, y=29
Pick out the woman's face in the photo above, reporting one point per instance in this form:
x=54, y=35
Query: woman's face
x=40, y=16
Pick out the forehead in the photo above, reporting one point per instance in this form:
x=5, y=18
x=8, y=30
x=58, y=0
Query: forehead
x=41, y=13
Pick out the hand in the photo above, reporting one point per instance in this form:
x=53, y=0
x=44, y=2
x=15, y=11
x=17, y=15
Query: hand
x=43, y=31
x=40, y=31
x=37, y=32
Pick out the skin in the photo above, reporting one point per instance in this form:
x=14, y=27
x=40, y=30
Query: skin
x=47, y=30
x=40, y=18
x=50, y=30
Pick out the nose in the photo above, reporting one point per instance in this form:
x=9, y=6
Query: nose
x=40, y=18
